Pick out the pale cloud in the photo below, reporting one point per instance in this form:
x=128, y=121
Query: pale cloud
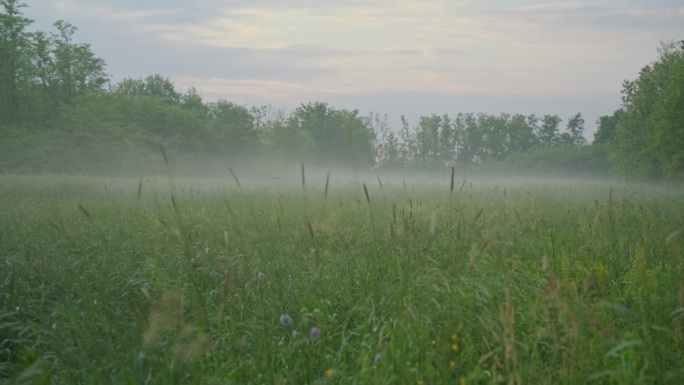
x=104, y=12
x=264, y=88
x=218, y=32
x=137, y=16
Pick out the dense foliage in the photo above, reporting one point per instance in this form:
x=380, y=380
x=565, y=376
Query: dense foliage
x=60, y=113
x=646, y=135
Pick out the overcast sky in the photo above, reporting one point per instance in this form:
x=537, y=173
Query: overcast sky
x=400, y=57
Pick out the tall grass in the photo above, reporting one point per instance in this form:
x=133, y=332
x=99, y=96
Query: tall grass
x=143, y=281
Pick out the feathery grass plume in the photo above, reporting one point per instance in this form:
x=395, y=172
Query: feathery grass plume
x=477, y=216
x=166, y=158
x=139, y=192
x=85, y=212
x=462, y=184
x=311, y=232
x=166, y=316
x=507, y=319
x=365, y=191
x=453, y=173
x=191, y=343
x=303, y=176
x=234, y=177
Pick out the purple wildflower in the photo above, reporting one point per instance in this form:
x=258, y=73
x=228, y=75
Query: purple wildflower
x=214, y=293
x=377, y=357
x=294, y=333
x=285, y=320
x=193, y=261
x=261, y=276
x=315, y=332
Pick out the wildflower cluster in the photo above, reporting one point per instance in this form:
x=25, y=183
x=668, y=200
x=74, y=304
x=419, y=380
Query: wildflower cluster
x=449, y=349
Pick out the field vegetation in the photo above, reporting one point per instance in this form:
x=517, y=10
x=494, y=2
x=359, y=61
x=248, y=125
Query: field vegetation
x=313, y=280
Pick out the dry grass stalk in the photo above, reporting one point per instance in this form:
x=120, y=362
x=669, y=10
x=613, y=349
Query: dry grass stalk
x=507, y=319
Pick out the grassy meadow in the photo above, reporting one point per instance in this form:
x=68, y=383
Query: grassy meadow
x=189, y=281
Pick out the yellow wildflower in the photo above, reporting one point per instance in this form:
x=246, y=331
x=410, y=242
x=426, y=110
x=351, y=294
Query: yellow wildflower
x=329, y=372
x=452, y=364
x=454, y=347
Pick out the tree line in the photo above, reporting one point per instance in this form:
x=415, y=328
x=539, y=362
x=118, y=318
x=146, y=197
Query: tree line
x=646, y=135
x=60, y=112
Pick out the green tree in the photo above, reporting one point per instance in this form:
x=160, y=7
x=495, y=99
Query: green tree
x=386, y=145
x=15, y=44
x=286, y=142
x=428, y=140
x=606, y=127
x=156, y=86
x=547, y=134
x=62, y=72
x=496, y=136
x=233, y=128
x=192, y=100
x=279, y=141
x=78, y=71
x=638, y=144
x=667, y=121
x=521, y=137
x=471, y=140
x=391, y=152
x=409, y=147
x=575, y=129
x=340, y=137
